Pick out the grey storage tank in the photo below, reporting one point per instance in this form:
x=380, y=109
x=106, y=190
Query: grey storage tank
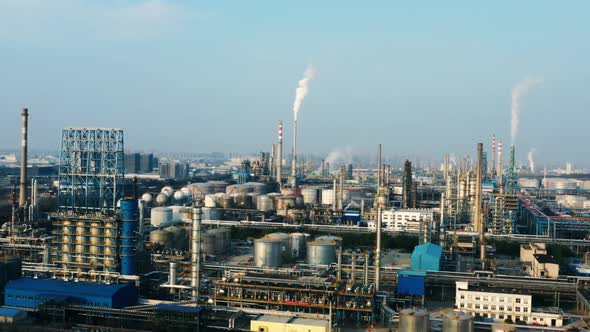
x=269, y=250
x=411, y=320
x=457, y=322
x=322, y=250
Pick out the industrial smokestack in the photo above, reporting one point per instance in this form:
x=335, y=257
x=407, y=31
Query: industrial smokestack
x=271, y=162
x=196, y=252
x=279, y=159
x=23, y=162
x=499, y=167
x=477, y=218
x=378, y=250
x=300, y=93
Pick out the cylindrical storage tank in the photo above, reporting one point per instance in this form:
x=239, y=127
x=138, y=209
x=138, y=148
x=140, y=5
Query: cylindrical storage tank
x=210, y=201
x=268, y=252
x=257, y=187
x=129, y=219
x=242, y=201
x=411, y=320
x=178, y=237
x=528, y=183
x=503, y=327
x=327, y=196
x=221, y=240
x=297, y=245
x=264, y=203
x=186, y=214
x=330, y=238
x=160, y=236
x=212, y=214
x=226, y=201
x=310, y=196
x=208, y=243
x=160, y=215
x=161, y=199
x=175, y=212
x=457, y=322
x=321, y=252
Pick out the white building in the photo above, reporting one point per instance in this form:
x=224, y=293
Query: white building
x=406, y=220
x=501, y=306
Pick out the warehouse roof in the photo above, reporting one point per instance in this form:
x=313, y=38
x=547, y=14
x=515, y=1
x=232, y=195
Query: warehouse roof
x=61, y=286
x=426, y=257
x=9, y=312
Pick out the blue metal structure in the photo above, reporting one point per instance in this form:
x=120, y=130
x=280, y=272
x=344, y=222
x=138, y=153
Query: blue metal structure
x=129, y=216
x=410, y=282
x=91, y=170
x=426, y=257
x=30, y=293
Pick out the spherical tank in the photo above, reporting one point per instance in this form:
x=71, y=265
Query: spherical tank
x=297, y=245
x=210, y=201
x=327, y=196
x=411, y=320
x=267, y=252
x=168, y=190
x=457, y=322
x=160, y=236
x=178, y=195
x=321, y=252
x=187, y=192
x=161, y=199
x=264, y=203
x=310, y=196
x=147, y=197
x=160, y=215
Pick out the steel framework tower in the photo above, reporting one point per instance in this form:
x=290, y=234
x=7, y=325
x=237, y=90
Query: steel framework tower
x=91, y=170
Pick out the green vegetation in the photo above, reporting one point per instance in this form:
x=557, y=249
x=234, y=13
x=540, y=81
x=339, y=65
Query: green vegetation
x=506, y=248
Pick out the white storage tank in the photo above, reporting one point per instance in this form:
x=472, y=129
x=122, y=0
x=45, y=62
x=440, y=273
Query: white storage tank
x=560, y=184
x=211, y=200
x=176, y=212
x=264, y=203
x=411, y=320
x=327, y=196
x=457, y=322
x=160, y=215
x=528, y=183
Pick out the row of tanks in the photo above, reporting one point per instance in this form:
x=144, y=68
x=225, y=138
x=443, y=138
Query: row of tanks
x=418, y=320
x=276, y=249
x=214, y=242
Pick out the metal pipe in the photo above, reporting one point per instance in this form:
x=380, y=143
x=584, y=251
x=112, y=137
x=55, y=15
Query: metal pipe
x=366, y=270
x=140, y=228
x=341, y=192
x=378, y=250
x=441, y=226
x=271, y=170
x=172, y=274
x=196, y=252
x=499, y=167
x=353, y=269
x=279, y=159
x=339, y=268
x=23, y=162
x=478, y=220
x=493, y=163
x=334, y=203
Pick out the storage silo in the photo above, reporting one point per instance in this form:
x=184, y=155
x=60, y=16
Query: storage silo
x=322, y=251
x=457, y=322
x=297, y=245
x=264, y=203
x=327, y=196
x=310, y=196
x=411, y=320
x=160, y=215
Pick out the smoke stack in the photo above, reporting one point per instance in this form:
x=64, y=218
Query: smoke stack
x=499, y=167
x=279, y=159
x=378, y=251
x=477, y=220
x=196, y=252
x=294, y=160
x=271, y=162
x=23, y=162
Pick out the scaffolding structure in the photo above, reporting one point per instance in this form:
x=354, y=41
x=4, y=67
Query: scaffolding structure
x=91, y=170
x=504, y=214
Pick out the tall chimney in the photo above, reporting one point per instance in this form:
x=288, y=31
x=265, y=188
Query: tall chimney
x=477, y=220
x=23, y=160
x=271, y=162
x=294, y=160
x=196, y=252
x=499, y=167
x=378, y=251
x=279, y=159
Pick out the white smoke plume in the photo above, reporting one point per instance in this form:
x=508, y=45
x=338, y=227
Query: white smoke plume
x=302, y=89
x=531, y=160
x=519, y=91
x=338, y=157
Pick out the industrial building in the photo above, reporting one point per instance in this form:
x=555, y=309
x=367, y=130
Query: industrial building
x=30, y=293
x=269, y=323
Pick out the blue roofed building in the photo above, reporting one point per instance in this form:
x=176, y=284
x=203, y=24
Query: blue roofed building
x=426, y=257
x=411, y=282
x=30, y=293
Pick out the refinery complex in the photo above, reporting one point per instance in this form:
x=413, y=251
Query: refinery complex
x=113, y=240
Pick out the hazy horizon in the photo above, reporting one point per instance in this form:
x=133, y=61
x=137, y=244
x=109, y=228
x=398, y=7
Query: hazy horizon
x=423, y=80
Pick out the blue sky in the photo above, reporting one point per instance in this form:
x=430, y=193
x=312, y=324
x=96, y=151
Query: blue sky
x=421, y=77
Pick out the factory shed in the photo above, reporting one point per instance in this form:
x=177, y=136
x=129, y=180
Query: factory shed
x=426, y=257
x=30, y=293
x=410, y=282
x=11, y=315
